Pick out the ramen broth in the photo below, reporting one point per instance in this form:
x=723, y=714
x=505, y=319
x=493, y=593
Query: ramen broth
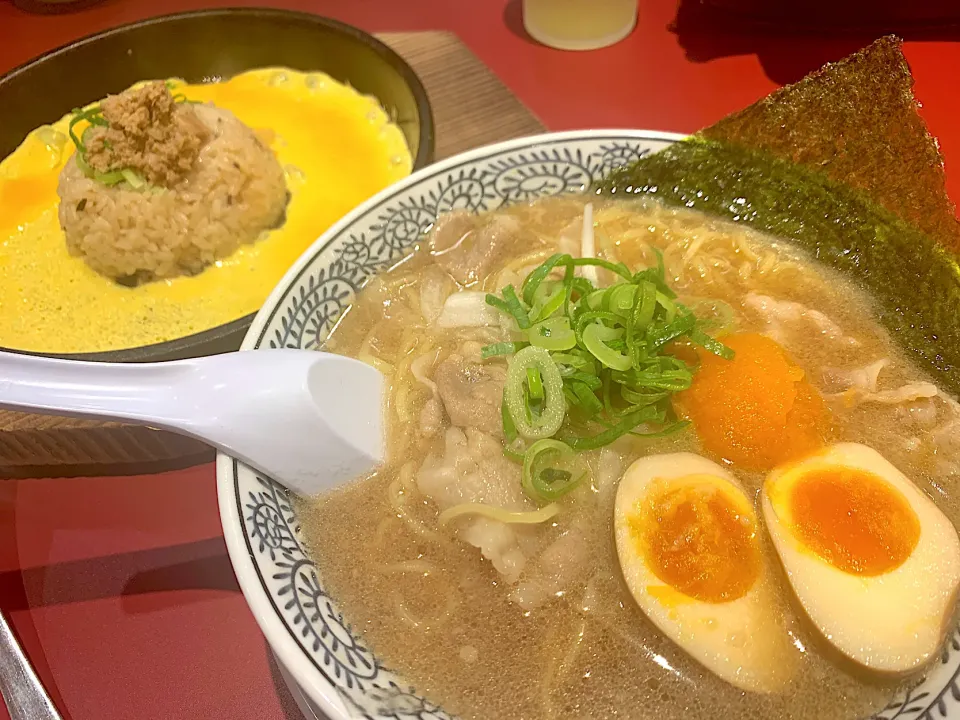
x=564, y=637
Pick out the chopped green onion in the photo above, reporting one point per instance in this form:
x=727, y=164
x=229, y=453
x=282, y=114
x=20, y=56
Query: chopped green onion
x=620, y=299
x=660, y=336
x=643, y=311
x=504, y=348
x=598, y=353
x=708, y=343
x=575, y=361
x=92, y=116
x=553, y=334
x=133, y=179
x=82, y=164
x=568, y=285
x=628, y=423
x=515, y=307
x=509, y=428
x=77, y=142
x=551, y=470
x=510, y=454
x=595, y=299
x=591, y=381
x=661, y=267
x=85, y=135
x=641, y=398
x=548, y=299
x=497, y=303
x=534, y=384
x=589, y=404
x=671, y=380
x=595, y=337
x=511, y=305
x=581, y=286
x=618, y=268
x=113, y=177
x=552, y=305
x=534, y=279
x=668, y=305
x=534, y=423
x=589, y=316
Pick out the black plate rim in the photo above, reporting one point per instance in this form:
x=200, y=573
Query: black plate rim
x=185, y=346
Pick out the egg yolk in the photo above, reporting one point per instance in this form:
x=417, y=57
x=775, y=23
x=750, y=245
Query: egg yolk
x=698, y=539
x=23, y=198
x=756, y=410
x=853, y=519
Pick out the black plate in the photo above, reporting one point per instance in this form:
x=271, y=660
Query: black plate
x=196, y=46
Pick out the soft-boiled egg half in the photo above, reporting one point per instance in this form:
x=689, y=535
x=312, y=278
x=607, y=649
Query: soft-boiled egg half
x=873, y=561
x=688, y=542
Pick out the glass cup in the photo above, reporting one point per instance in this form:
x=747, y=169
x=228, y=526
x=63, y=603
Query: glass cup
x=579, y=24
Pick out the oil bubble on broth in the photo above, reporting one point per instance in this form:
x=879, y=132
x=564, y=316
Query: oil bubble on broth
x=538, y=623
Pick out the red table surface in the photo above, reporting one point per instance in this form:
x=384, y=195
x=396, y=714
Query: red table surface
x=120, y=588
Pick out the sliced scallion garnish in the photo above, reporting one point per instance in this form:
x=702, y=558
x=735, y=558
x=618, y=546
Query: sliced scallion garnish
x=551, y=469
x=595, y=338
x=534, y=418
x=534, y=384
x=592, y=360
x=134, y=179
x=504, y=348
x=553, y=334
x=627, y=423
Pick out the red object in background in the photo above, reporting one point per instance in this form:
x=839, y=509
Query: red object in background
x=52, y=7
x=824, y=14
x=120, y=588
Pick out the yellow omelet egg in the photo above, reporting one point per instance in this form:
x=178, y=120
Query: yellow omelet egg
x=689, y=547
x=873, y=561
x=336, y=147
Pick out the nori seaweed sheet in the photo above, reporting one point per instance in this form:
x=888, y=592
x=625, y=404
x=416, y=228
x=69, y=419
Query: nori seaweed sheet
x=788, y=167
x=856, y=121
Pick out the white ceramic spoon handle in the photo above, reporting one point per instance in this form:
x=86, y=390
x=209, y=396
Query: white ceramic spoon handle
x=284, y=412
x=103, y=391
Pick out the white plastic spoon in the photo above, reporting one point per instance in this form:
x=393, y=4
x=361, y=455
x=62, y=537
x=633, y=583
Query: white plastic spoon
x=309, y=420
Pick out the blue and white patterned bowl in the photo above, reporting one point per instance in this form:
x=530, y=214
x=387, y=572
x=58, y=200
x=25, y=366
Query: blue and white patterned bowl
x=307, y=631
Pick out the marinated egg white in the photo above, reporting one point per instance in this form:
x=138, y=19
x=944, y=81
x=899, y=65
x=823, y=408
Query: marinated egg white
x=687, y=539
x=873, y=561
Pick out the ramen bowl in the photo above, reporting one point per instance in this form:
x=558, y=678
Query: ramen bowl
x=309, y=632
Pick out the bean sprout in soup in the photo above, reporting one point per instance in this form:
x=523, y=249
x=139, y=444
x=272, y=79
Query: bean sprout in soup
x=690, y=476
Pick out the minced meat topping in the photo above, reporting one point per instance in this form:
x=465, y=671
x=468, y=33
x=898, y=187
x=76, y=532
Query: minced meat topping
x=150, y=133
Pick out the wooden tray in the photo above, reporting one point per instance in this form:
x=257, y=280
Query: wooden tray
x=471, y=108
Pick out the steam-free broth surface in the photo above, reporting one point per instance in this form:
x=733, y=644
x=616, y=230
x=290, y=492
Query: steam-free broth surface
x=539, y=624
